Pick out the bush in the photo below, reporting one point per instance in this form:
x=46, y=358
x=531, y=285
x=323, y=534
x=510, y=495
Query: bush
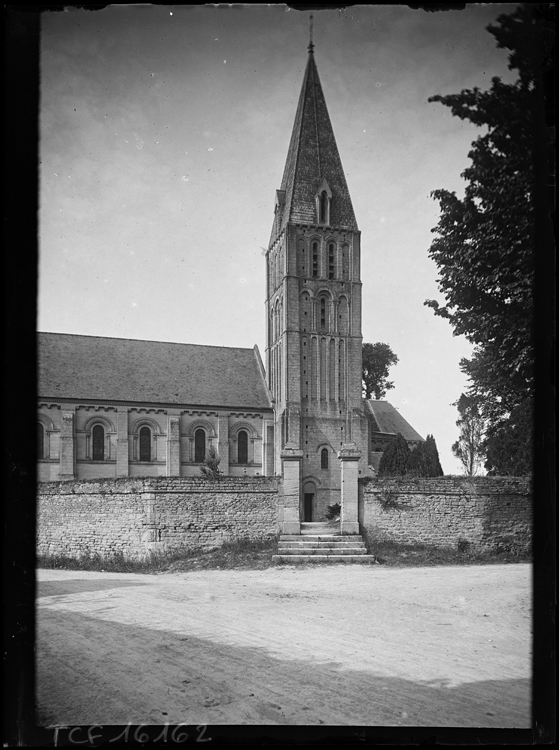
x=210, y=467
x=395, y=458
x=333, y=511
x=388, y=499
x=463, y=545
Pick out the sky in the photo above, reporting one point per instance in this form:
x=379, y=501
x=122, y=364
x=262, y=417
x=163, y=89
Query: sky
x=163, y=136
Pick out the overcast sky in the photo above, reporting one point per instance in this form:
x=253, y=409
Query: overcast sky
x=164, y=133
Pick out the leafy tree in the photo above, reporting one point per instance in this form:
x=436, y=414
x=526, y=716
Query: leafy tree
x=508, y=445
x=394, y=461
x=210, y=468
x=485, y=248
x=469, y=448
x=377, y=360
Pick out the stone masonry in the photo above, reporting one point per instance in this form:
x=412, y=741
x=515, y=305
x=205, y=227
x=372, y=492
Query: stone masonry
x=486, y=512
x=134, y=516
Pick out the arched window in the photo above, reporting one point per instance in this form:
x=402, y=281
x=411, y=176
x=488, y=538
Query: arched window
x=301, y=258
x=324, y=458
x=345, y=262
x=323, y=313
x=315, y=259
x=145, y=444
x=323, y=207
x=98, y=439
x=40, y=441
x=331, y=261
x=199, y=446
x=242, y=447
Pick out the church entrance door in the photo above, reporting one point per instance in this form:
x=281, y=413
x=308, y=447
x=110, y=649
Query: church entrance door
x=307, y=510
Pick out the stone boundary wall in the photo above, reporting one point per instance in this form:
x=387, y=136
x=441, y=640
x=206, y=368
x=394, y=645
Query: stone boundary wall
x=490, y=513
x=135, y=516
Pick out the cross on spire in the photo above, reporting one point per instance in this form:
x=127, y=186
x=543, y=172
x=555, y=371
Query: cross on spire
x=311, y=45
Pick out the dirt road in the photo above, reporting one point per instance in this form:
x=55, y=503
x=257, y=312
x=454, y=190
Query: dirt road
x=348, y=645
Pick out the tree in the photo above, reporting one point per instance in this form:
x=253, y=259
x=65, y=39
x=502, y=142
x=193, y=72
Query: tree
x=508, y=445
x=394, y=460
x=469, y=448
x=424, y=460
x=210, y=467
x=377, y=360
x=417, y=463
x=434, y=467
x=485, y=246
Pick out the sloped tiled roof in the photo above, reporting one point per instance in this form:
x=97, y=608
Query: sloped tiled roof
x=107, y=369
x=313, y=156
x=385, y=418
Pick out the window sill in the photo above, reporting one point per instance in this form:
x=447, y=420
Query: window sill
x=146, y=463
x=96, y=461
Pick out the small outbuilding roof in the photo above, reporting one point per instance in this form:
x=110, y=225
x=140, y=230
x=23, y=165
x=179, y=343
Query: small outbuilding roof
x=386, y=419
x=107, y=369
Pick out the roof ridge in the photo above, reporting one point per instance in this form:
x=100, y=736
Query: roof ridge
x=145, y=341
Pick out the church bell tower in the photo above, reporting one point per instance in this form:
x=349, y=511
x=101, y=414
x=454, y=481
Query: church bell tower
x=313, y=307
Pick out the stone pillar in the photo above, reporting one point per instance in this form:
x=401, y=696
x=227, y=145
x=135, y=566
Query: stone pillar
x=268, y=448
x=67, y=447
x=173, y=447
x=122, y=443
x=349, y=458
x=223, y=442
x=291, y=464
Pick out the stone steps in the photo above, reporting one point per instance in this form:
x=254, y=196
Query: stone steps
x=327, y=544
x=323, y=545
x=302, y=559
x=314, y=537
x=319, y=527
x=337, y=551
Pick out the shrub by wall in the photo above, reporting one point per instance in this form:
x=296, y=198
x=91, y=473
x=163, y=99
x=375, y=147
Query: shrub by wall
x=488, y=513
x=134, y=516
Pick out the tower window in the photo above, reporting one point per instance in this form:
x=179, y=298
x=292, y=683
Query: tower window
x=145, y=444
x=324, y=458
x=323, y=313
x=345, y=262
x=323, y=207
x=98, y=437
x=331, y=270
x=242, y=447
x=315, y=259
x=199, y=446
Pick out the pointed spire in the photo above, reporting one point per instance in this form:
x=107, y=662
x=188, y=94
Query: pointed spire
x=313, y=158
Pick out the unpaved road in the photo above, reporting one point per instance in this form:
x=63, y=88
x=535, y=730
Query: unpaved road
x=346, y=645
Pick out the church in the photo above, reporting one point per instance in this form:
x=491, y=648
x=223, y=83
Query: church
x=112, y=408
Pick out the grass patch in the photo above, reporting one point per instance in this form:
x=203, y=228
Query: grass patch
x=240, y=553
x=398, y=555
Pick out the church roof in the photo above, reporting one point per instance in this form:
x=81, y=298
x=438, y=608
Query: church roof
x=106, y=369
x=385, y=418
x=313, y=157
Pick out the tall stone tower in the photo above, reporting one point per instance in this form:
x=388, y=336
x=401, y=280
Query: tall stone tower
x=313, y=307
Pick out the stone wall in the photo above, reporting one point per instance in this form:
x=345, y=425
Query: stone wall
x=487, y=512
x=134, y=516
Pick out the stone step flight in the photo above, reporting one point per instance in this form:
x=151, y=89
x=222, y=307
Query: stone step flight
x=321, y=542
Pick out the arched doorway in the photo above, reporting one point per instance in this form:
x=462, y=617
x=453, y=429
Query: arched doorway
x=309, y=495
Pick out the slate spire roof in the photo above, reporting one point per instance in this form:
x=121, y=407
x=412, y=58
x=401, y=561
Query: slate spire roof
x=313, y=157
